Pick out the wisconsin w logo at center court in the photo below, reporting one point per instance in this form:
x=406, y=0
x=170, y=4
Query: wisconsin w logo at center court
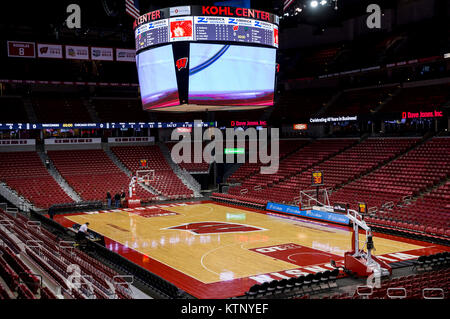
x=203, y=228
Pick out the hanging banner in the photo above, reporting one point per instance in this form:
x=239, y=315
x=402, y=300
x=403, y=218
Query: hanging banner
x=21, y=49
x=51, y=51
x=126, y=55
x=102, y=54
x=75, y=52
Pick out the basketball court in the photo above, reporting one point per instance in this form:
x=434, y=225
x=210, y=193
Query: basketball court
x=214, y=250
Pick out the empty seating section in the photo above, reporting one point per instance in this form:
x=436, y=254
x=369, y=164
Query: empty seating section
x=428, y=215
x=410, y=174
x=301, y=160
x=51, y=109
x=428, y=285
x=345, y=166
x=415, y=99
x=92, y=174
x=358, y=102
x=317, y=60
x=190, y=165
x=119, y=110
x=166, y=181
x=51, y=262
x=308, y=102
x=12, y=110
x=247, y=169
x=25, y=173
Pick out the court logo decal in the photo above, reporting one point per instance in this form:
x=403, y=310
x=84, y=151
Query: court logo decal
x=154, y=213
x=203, y=228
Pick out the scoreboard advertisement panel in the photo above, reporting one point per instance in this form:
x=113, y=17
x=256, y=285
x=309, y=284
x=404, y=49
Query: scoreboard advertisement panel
x=152, y=34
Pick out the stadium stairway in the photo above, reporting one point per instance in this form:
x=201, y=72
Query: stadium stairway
x=123, y=168
x=183, y=175
x=323, y=160
x=115, y=160
x=256, y=169
x=388, y=99
x=232, y=168
x=15, y=199
x=333, y=99
x=58, y=178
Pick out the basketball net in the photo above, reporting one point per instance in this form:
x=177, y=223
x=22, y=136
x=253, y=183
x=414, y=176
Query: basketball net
x=308, y=198
x=144, y=176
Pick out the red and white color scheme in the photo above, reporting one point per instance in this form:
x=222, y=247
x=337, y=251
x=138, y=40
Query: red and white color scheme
x=211, y=227
x=142, y=176
x=132, y=8
x=358, y=261
x=21, y=49
x=181, y=29
x=182, y=63
x=287, y=4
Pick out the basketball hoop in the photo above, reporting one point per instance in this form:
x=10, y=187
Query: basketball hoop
x=145, y=176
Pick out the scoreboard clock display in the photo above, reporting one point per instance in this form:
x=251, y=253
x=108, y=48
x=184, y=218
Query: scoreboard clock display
x=317, y=178
x=362, y=208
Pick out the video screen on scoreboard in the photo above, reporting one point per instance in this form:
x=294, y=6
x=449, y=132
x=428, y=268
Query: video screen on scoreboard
x=231, y=75
x=157, y=78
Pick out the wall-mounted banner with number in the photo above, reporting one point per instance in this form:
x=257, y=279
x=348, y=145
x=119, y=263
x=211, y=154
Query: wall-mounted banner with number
x=21, y=49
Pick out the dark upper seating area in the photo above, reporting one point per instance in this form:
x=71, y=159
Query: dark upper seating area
x=119, y=110
x=54, y=108
x=423, y=98
x=359, y=102
x=12, y=110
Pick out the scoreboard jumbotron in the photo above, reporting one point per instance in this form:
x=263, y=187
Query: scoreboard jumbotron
x=193, y=58
x=225, y=24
